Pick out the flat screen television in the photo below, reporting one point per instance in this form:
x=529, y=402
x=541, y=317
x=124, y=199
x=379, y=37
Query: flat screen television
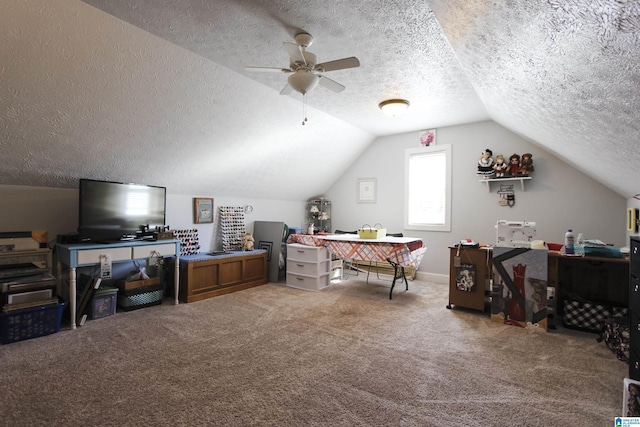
x=111, y=211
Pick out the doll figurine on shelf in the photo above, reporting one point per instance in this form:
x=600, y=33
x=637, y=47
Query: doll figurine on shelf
x=485, y=164
x=514, y=165
x=500, y=167
x=526, y=164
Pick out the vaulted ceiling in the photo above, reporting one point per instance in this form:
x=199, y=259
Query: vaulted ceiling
x=156, y=91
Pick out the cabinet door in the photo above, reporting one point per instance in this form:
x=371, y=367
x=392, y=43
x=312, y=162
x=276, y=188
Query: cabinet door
x=634, y=260
x=204, y=277
x=230, y=272
x=254, y=268
x=479, y=259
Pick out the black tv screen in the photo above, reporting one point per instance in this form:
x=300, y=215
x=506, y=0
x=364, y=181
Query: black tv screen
x=112, y=211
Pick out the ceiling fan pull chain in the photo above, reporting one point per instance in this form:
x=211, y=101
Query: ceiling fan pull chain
x=304, y=108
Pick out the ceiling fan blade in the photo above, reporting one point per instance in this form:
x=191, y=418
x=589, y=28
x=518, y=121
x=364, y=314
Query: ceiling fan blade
x=269, y=69
x=286, y=90
x=295, y=52
x=338, y=64
x=330, y=84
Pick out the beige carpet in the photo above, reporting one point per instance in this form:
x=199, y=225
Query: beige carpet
x=277, y=356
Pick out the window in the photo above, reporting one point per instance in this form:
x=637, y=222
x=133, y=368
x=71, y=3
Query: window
x=428, y=188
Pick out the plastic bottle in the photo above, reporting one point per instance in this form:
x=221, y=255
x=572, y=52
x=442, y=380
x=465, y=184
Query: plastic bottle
x=579, y=244
x=569, y=242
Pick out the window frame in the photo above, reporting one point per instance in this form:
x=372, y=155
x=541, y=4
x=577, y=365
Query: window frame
x=421, y=151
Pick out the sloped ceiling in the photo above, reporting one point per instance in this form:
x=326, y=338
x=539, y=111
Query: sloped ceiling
x=156, y=92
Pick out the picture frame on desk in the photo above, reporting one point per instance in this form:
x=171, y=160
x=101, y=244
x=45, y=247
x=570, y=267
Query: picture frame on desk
x=203, y=210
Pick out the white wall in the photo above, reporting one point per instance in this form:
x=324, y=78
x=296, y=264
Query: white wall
x=557, y=198
x=56, y=210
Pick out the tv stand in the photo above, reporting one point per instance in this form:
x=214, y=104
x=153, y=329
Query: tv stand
x=90, y=254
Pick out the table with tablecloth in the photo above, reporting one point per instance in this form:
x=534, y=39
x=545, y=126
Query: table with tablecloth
x=400, y=252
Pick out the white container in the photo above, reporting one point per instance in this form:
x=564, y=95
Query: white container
x=307, y=266
x=569, y=242
x=579, y=248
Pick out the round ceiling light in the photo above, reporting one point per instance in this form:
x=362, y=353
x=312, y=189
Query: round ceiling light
x=394, y=107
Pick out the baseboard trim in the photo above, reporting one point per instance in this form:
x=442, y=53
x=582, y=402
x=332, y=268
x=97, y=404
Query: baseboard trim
x=432, y=277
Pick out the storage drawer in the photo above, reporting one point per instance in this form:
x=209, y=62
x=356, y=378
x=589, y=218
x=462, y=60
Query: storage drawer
x=308, y=268
x=309, y=283
x=634, y=253
x=298, y=252
x=634, y=294
x=92, y=256
x=166, y=249
x=634, y=365
x=634, y=332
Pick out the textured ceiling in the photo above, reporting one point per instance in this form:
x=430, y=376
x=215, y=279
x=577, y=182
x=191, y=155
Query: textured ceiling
x=155, y=91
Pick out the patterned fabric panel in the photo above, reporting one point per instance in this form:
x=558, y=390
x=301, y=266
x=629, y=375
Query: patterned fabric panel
x=406, y=254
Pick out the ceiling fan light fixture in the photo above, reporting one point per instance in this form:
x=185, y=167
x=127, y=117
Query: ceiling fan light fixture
x=394, y=107
x=303, y=81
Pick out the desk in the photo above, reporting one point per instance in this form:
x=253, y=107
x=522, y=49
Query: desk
x=400, y=252
x=87, y=254
x=594, y=278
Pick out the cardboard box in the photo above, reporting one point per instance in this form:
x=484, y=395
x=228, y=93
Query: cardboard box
x=127, y=286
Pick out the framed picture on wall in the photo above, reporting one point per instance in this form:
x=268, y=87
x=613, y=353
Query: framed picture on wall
x=202, y=210
x=366, y=190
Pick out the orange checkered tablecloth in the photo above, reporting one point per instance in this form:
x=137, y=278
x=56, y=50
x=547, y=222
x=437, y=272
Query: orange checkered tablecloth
x=405, y=251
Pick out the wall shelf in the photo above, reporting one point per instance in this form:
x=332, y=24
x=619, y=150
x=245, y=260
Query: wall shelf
x=522, y=179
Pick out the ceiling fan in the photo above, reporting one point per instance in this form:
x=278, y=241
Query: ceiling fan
x=305, y=72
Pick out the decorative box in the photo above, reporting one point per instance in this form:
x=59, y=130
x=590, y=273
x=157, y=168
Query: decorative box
x=371, y=233
x=104, y=302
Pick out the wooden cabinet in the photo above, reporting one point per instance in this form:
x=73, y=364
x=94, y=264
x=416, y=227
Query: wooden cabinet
x=480, y=259
x=307, y=266
x=203, y=276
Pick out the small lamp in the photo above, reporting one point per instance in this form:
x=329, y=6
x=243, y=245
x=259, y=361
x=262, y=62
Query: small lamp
x=394, y=107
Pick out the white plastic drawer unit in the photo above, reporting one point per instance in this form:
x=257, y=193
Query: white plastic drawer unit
x=298, y=252
x=307, y=266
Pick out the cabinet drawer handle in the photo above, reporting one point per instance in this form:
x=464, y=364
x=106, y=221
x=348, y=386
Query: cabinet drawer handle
x=637, y=366
x=300, y=278
x=636, y=288
x=300, y=265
